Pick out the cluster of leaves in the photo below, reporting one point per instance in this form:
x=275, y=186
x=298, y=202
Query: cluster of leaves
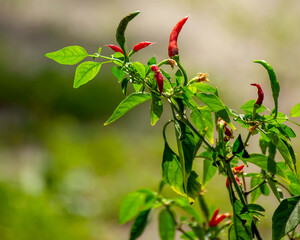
x=197, y=111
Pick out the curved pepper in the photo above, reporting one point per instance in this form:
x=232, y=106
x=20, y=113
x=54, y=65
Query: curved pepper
x=158, y=77
x=173, y=49
x=115, y=48
x=260, y=94
x=141, y=45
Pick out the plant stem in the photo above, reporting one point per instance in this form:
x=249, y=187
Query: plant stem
x=254, y=188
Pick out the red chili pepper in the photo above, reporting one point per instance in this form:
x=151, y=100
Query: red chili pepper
x=158, y=77
x=237, y=180
x=260, y=94
x=237, y=170
x=141, y=45
x=228, y=133
x=115, y=48
x=173, y=49
x=216, y=219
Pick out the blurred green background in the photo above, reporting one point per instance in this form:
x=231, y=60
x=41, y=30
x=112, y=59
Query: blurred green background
x=62, y=174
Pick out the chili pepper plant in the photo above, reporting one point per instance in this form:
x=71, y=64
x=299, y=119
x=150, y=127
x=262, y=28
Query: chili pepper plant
x=205, y=131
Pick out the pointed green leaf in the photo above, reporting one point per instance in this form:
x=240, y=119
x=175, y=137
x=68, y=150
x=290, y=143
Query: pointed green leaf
x=209, y=170
x=118, y=73
x=261, y=161
x=295, y=111
x=274, y=82
x=85, y=72
x=238, y=148
x=243, y=221
x=248, y=107
x=140, y=68
x=127, y=104
x=186, y=206
x=212, y=101
x=178, y=77
x=188, y=146
x=203, y=120
x=283, y=149
x=286, y=217
x=203, y=87
x=166, y=225
x=131, y=206
x=140, y=224
x=68, y=55
x=156, y=108
x=172, y=174
x=151, y=61
x=255, y=194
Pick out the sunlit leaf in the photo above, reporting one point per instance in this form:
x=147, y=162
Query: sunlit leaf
x=127, y=104
x=68, y=55
x=295, y=111
x=286, y=217
x=85, y=72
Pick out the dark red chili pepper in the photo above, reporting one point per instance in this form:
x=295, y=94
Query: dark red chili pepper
x=260, y=94
x=173, y=49
x=141, y=45
x=228, y=133
x=237, y=170
x=158, y=77
x=115, y=48
x=216, y=219
x=237, y=180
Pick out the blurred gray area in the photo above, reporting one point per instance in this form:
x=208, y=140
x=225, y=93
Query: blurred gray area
x=62, y=174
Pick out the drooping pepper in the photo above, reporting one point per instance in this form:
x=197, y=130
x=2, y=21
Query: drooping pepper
x=158, y=77
x=141, y=45
x=217, y=218
x=173, y=49
x=260, y=94
x=115, y=48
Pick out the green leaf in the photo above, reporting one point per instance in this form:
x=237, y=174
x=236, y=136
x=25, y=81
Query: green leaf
x=209, y=170
x=137, y=87
x=203, y=120
x=99, y=50
x=127, y=104
x=261, y=161
x=166, y=224
x=295, y=111
x=120, y=34
x=156, y=108
x=140, y=68
x=85, y=72
x=185, y=205
x=274, y=82
x=275, y=189
x=131, y=206
x=178, y=77
x=124, y=85
x=212, y=101
x=151, y=61
x=68, y=55
x=286, y=217
x=140, y=224
x=255, y=194
x=238, y=148
x=203, y=87
x=188, y=146
x=172, y=174
x=118, y=73
x=243, y=221
x=248, y=107
x=255, y=207
x=283, y=149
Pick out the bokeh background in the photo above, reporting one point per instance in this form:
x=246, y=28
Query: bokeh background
x=62, y=174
